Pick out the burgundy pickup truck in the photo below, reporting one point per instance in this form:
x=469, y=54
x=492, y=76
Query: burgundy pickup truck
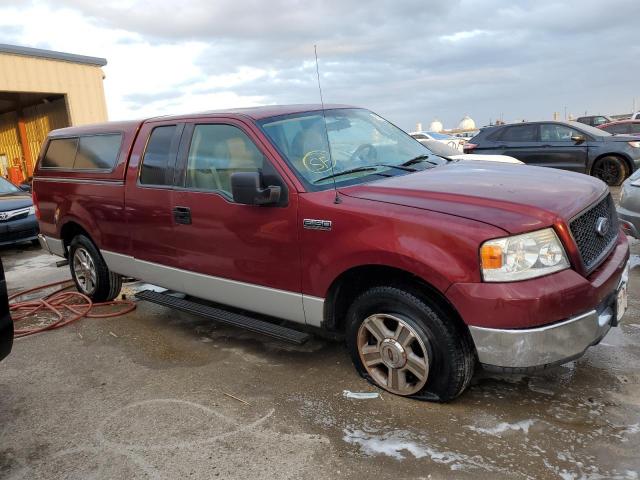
x=341, y=221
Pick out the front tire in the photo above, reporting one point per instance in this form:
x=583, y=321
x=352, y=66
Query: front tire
x=610, y=169
x=407, y=346
x=90, y=272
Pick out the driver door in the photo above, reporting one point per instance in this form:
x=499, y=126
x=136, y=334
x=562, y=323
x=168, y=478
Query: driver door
x=240, y=255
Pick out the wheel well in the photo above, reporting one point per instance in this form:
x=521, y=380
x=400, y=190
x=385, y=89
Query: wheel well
x=69, y=231
x=350, y=284
x=626, y=161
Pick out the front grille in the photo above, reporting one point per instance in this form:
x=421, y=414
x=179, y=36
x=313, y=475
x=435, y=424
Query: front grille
x=594, y=247
x=15, y=217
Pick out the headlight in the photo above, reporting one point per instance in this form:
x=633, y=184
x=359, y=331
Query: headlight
x=522, y=257
x=634, y=144
x=32, y=210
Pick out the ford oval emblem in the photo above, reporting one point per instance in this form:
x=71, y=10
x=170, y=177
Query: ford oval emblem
x=602, y=226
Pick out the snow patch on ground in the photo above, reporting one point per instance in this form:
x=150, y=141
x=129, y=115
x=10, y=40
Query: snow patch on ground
x=394, y=445
x=400, y=444
x=503, y=427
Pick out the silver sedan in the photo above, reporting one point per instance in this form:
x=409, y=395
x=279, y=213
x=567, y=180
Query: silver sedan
x=629, y=209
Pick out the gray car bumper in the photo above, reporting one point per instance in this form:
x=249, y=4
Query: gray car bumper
x=630, y=221
x=555, y=344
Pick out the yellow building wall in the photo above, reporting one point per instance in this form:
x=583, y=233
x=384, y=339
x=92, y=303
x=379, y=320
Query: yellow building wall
x=82, y=84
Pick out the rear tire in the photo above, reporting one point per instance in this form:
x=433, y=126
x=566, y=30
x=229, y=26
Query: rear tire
x=611, y=170
x=90, y=272
x=410, y=347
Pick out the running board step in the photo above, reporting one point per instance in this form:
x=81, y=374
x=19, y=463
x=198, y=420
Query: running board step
x=224, y=316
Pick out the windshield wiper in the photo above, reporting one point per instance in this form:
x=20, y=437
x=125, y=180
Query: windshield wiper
x=418, y=159
x=347, y=172
x=399, y=167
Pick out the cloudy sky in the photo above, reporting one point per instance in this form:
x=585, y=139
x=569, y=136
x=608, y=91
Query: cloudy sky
x=410, y=61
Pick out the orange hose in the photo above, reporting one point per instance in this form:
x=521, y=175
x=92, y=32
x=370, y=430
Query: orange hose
x=60, y=302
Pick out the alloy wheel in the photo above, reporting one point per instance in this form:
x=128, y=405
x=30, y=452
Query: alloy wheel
x=393, y=354
x=607, y=170
x=85, y=271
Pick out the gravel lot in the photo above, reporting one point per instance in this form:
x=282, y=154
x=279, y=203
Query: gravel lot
x=165, y=395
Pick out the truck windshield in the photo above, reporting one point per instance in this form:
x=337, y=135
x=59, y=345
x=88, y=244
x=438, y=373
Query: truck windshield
x=357, y=138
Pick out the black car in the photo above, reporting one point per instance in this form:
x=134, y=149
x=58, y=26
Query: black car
x=6, y=324
x=18, y=222
x=594, y=120
x=566, y=145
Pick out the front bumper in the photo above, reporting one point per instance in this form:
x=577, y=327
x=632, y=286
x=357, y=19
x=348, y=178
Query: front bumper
x=555, y=344
x=52, y=245
x=22, y=230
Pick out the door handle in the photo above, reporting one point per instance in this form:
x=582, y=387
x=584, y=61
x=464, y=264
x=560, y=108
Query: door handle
x=182, y=215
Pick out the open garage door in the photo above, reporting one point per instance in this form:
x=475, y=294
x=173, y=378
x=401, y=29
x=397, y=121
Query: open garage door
x=25, y=121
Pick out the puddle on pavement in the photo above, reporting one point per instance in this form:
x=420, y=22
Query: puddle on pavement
x=558, y=424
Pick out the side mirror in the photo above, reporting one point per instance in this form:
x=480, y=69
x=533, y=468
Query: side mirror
x=246, y=188
x=25, y=187
x=578, y=138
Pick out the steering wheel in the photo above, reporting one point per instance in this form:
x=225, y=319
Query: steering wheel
x=365, y=153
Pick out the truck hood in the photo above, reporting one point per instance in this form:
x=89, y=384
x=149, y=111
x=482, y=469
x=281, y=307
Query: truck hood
x=515, y=198
x=13, y=201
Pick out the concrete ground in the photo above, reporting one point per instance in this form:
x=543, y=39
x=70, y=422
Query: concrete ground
x=163, y=395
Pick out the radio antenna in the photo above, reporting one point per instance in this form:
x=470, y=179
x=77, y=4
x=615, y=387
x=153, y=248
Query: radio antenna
x=326, y=130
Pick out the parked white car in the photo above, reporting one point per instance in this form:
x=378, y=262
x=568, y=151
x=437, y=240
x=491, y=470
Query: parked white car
x=445, y=151
x=449, y=140
x=635, y=116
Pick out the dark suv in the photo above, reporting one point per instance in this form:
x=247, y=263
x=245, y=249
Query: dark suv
x=6, y=324
x=566, y=145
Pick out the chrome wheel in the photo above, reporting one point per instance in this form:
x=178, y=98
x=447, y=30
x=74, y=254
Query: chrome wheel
x=393, y=354
x=85, y=271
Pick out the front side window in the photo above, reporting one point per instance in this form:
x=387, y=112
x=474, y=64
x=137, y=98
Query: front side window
x=216, y=152
x=519, y=133
x=161, y=149
x=353, y=143
x=551, y=132
x=635, y=128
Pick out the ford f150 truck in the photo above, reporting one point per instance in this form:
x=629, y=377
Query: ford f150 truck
x=335, y=218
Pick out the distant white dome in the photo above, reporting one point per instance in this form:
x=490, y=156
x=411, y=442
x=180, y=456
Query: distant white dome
x=467, y=123
x=436, y=126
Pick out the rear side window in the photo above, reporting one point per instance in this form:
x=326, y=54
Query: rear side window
x=92, y=152
x=98, y=152
x=158, y=156
x=61, y=153
x=520, y=133
x=617, y=128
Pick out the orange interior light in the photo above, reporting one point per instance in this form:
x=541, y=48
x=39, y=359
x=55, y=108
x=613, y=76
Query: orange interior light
x=491, y=256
